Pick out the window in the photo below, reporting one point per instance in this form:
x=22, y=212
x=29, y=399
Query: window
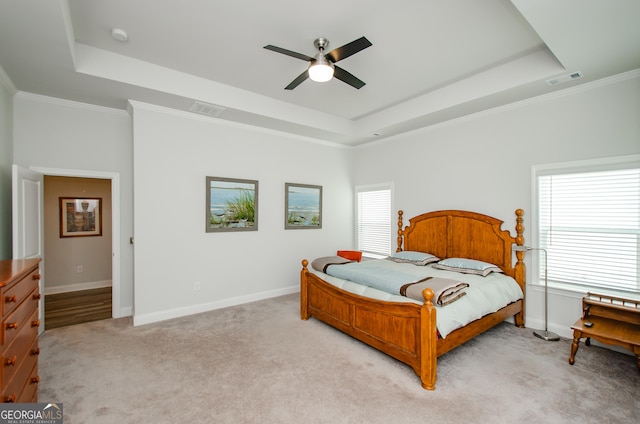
x=588, y=221
x=374, y=219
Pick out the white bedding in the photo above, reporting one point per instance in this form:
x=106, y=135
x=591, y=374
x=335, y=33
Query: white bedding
x=484, y=294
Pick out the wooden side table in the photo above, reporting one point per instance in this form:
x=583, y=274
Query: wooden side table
x=610, y=320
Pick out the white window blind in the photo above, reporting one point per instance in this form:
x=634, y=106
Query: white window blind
x=374, y=220
x=589, y=223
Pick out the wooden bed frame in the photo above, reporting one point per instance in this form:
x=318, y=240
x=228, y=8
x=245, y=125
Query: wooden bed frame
x=407, y=331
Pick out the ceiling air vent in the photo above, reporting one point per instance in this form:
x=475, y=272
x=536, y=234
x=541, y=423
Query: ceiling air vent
x=206, y=109
x=564, y=78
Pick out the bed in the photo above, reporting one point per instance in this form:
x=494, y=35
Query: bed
x=406, y=330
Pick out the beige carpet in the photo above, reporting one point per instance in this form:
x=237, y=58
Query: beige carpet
x=259, y=363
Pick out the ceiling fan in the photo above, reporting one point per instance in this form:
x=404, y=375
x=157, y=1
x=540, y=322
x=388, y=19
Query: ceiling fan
x=321, y=66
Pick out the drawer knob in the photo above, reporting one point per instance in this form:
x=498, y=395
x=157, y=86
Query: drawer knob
x=35, y=380
x=37, y=296
x=36, y=277
x=12, y=325
x=11, y=299
x=10, y=399
x=35, y=323
x=11, y=361
x=36, y=351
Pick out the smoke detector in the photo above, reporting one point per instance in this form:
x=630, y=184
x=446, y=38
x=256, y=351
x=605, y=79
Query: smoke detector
x=119, y=34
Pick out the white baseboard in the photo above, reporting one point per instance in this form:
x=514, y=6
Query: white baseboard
x=206, y=307
x=76, y=287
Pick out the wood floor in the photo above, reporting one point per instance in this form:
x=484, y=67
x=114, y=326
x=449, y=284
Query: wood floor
x=76, y=307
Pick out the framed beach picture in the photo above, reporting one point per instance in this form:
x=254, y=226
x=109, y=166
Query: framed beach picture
x=232, y=205
x=80, y=216
x=303, y=206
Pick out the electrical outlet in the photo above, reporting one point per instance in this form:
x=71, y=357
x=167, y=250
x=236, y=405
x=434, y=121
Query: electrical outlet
x=196, y=286
x=79, y=268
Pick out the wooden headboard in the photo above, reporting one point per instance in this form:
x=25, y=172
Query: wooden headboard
x=463, y=234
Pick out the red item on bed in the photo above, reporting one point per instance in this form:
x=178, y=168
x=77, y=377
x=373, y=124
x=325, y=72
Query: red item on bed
x=352, y=255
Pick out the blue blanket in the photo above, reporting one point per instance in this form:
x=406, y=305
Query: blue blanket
x=374, y=274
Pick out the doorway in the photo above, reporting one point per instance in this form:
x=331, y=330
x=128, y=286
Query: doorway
x=77, y=246
x=114, y=179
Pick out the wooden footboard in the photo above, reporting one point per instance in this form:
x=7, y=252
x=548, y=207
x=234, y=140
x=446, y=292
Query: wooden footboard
x=405, y=331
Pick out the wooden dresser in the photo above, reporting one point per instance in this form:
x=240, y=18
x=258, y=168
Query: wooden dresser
x=19, y=334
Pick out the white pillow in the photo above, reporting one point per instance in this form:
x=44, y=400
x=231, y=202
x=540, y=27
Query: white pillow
x=416, y=258
x=467, y=266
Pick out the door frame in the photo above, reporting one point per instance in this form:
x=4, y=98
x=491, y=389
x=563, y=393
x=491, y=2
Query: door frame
x=27, y=222
x=115, y=222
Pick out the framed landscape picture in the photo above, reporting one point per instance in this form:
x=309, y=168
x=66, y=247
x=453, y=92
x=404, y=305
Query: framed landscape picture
x=232, y=205
x=80, y=216
x=303, y=206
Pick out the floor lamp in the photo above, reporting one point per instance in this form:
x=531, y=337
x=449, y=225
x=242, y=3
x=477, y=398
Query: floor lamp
x=546, y=334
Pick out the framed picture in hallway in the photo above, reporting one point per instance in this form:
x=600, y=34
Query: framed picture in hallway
x=303, y=206
x=80, y=216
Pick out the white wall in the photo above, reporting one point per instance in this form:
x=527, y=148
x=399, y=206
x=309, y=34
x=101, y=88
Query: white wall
x=483, y=162
x=6, y=157
x=480, y=163
x=174, y=152
x=52, y=133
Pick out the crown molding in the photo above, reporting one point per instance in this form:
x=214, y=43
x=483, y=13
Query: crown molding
x=69, y=103
x=569, y=91
x=134, y=104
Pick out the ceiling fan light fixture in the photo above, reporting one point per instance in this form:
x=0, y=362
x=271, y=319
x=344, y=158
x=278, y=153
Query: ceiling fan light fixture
x=321, y=67
x=321, y=70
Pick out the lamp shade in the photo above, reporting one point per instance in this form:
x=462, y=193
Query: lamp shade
x=321, y=70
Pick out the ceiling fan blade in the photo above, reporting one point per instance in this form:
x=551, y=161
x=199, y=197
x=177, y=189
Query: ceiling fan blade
x=296, y=82
x=348, y=49
x=347, y=77
x=289, y=53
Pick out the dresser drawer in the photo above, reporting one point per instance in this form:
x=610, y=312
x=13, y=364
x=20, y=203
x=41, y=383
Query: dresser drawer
x=20, y=318
x=14, y=295
x=25, y=380
x=24, y=344
x=30, y=391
